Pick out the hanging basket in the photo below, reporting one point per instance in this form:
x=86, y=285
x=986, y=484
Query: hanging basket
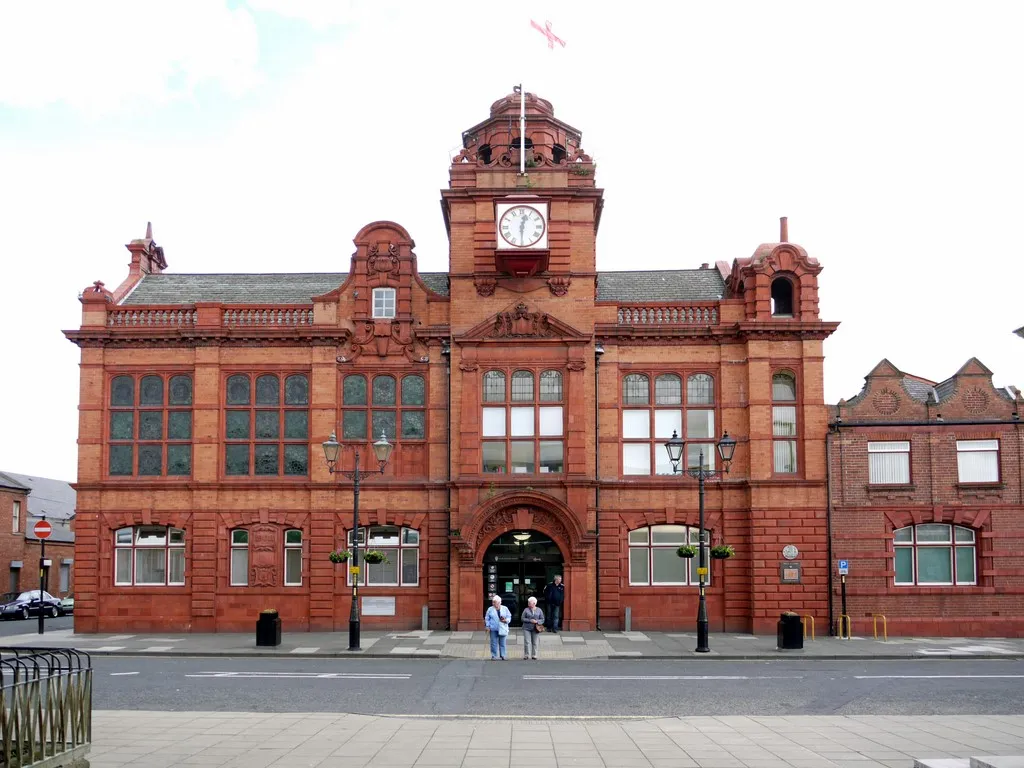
x=722, y=552
x=341, y=556
x=374, y=557
x=687, y=550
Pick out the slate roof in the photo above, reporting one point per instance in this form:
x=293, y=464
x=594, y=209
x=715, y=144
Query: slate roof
x=301, y=287
x=293, y=288
x=666, y=285
x=53, y=498
x=918, y=388
x=7, y=481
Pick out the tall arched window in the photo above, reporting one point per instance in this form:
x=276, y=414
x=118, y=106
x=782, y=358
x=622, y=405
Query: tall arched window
x=645, y=428
x=494, y=387
x=782, y=297
x=784, y=423
x=264, y=436
x=396, y=415
x=523, y=434
x=935, y=554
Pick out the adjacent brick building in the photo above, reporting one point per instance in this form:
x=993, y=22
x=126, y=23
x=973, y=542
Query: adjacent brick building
x=528, y=396
x=24, y=501
x=927, y=503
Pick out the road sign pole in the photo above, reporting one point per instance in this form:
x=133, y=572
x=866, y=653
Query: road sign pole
x=42, y=559
x=842, y=583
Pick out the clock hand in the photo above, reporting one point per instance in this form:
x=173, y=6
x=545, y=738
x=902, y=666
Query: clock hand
x=522, y=230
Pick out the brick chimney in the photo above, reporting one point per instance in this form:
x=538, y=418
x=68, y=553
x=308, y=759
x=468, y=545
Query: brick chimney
x=147, y=256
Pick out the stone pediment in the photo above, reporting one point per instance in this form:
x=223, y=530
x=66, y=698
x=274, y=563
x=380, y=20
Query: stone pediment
x=521, y=323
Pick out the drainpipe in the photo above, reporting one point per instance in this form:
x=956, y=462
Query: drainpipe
x=598, y=351
x=833, y=429
x=446, y=353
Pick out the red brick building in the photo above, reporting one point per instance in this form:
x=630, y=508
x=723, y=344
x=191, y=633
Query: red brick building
x=24, y=501
x=926, y=503
x=528, y=397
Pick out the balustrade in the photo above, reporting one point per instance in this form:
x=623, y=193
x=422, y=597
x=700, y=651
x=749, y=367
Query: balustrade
x=690, y=314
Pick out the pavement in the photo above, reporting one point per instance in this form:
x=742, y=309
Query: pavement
x=312, y=739
x=561, y=646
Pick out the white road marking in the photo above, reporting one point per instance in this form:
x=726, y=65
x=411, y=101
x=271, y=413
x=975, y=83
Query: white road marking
x=662, y=677
x=304, y=675
x=305, y=650
x=102, y=649
x=119, y=637
x=119, y=674
x=158, y=648
x=938, y=677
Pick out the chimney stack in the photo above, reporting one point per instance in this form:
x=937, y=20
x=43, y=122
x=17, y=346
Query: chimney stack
x=784, y=229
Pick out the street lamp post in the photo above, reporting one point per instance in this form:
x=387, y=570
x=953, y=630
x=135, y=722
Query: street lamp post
x=726, y=448
x=382, y=450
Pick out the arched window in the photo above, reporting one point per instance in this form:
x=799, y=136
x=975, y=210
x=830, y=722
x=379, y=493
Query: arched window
x=653, y=559
x=935, y=554
x=784, y=423
x=668, y=390
x=636, y=389
x=782, y=297
x=239, y=566
x=396, y=416
x=293, y=558
x=522, y=387
x=401, y=548
x=494, y=387
x=262, y=435
x=151, y=436
x=524, y=434
x=149, y=555
x=551, y=387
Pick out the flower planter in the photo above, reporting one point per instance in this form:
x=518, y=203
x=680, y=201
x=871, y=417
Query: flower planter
x=341, y=556
x=722, y=552
x=374, y=557
x=686, y=551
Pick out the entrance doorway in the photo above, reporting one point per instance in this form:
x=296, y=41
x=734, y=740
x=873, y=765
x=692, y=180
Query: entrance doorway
x=517, y=566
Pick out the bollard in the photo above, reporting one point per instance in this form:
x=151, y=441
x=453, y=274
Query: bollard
x=885, y=626
x=424, y=616
x=844, y=623
x=809, y=619
x=629, y=620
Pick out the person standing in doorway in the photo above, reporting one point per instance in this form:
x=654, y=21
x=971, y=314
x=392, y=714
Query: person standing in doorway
x=554, y=596
x=497, y=620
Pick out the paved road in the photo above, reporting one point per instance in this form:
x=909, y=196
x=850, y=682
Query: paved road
x=20, y=627
x=627, y=687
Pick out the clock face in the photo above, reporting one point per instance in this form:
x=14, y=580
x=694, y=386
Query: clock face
x=522, y=226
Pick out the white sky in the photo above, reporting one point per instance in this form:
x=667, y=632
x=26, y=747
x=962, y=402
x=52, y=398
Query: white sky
x=261, y=135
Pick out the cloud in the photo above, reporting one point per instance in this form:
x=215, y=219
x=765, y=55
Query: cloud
x=319, y=13
x=113, y=55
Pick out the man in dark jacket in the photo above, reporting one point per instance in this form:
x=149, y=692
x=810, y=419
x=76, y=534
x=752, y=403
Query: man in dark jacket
x=554, y=597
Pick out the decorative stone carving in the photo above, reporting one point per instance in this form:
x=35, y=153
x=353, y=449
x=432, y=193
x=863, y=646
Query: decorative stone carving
x=576, y=365
x=263, y=576
x=520, y=322
x=975, y=400
x=382, y=262
x=559, y=285
x=263, y=549
x=886, y=401
x=264, y=538
x=467, y=366
x=384, y=338
x=485, y=285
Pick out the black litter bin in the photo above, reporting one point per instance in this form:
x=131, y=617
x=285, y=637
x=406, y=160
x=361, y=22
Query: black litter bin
x=791, y=632
x=268, y=629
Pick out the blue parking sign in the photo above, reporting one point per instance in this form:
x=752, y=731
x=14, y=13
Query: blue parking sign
x=844, y=567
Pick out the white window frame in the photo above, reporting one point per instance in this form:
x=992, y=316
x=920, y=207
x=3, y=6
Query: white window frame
x=172, y=550
x=64, y=577
x=952, y=544
x=291, y=549
x=885, y=450
x=16, y=517
x=366, y=543
x=968, y=447
x=691, y=535
x=239, y=544
x=385, y=302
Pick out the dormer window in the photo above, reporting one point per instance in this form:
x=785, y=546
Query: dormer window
x=782, y=297
x=383, y=303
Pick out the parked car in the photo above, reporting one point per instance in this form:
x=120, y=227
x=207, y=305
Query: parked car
x=67, y=604
x=21, y=605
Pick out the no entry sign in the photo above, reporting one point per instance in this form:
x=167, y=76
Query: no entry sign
x=42, y=530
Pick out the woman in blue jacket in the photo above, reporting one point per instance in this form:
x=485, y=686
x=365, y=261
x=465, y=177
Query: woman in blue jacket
x=497, y=620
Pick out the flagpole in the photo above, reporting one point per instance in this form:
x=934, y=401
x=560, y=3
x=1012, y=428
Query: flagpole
x=522, y=130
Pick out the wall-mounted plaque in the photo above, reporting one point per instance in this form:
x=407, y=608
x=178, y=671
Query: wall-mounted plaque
x=789, y=573
x=378, y=606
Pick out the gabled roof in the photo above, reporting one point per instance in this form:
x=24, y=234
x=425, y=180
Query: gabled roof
x=301, y=287
x=8, y=481
x=53, y=498
x=663, y=285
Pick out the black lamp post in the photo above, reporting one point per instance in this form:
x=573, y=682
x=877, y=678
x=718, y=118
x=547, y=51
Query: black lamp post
x=382, y=450
x=726, y=448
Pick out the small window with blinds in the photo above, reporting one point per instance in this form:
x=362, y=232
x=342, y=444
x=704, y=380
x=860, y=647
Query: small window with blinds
x=889, y=462
x=977, y=461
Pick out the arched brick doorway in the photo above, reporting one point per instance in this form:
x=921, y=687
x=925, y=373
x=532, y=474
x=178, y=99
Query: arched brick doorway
x=517, y=566
x=514, y=512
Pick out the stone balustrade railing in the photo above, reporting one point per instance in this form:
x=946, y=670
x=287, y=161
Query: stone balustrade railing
x=683, y=314
x=217, y=316
x=175, y=317
x=284, y=317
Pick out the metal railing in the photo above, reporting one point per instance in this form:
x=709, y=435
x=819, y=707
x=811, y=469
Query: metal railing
x=45, y=707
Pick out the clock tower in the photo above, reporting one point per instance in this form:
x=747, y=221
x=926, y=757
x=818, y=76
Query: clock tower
x=521, y=233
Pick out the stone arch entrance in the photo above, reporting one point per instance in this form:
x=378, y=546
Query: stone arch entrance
x=517, y=566
x=521, y=511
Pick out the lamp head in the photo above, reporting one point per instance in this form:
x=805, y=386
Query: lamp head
x=674, y=446
x=331, y=450
x=382, y=449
